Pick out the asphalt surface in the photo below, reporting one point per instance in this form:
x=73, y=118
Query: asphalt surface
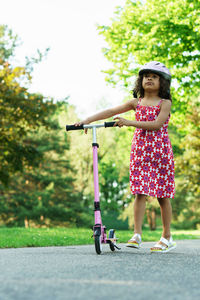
x=77, y=272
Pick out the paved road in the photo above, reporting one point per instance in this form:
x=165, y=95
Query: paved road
x=76, y=273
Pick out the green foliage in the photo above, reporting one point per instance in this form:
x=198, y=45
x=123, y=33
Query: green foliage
x=37, y=178
x=8, y=42
x=45, y=194
x=113, y=189
x=20, y=112
x=188, y=170
x=144, y=31
x=188, y=163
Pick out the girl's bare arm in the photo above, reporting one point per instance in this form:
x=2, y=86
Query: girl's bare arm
x=149, y=125
x=105, y=114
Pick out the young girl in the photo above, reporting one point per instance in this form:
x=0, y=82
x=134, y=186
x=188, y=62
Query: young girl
x=151, y=159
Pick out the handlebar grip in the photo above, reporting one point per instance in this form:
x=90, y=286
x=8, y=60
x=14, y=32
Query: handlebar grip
x=109, y=124
x=73, y=127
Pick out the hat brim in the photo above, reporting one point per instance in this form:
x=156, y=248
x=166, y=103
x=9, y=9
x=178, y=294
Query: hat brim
x=166, y=76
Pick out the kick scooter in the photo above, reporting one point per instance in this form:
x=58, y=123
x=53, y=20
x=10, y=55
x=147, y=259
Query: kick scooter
x=99, y=230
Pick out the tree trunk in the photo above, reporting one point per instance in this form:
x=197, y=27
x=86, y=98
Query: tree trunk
x=26, y=223
x=151, y=218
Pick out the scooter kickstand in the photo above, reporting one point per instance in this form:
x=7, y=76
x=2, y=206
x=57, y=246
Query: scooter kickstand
x=117, y=247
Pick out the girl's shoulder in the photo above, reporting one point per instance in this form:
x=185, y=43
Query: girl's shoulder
x=135, y=102
x=165, y=106
x=165, y=102
x=131, y=104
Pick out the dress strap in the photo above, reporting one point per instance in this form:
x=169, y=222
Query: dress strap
x=160, y=102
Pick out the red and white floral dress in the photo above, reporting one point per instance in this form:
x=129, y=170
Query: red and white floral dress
x=151, y=159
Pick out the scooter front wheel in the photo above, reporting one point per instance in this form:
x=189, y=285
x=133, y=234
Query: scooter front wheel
x=98, y=245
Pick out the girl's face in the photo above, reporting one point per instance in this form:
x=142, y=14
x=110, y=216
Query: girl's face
x=151, y=82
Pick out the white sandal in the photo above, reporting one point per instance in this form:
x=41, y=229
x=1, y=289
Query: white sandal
x=166, y=246
x=135, y=241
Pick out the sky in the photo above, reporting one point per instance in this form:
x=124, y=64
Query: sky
x=74, y=64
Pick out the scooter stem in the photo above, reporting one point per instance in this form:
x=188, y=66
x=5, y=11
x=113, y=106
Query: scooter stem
x=94, y=135
x=96, y=179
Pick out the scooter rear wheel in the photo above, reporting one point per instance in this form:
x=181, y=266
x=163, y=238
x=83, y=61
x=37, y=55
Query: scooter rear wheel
x=98, y=245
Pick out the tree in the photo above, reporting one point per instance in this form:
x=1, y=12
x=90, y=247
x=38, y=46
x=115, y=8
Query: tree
x=142, y=31
x=188, y=170
x=45, y=195
x=21, y=112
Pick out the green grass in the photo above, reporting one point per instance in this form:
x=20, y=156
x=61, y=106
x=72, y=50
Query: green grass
x=41, y=237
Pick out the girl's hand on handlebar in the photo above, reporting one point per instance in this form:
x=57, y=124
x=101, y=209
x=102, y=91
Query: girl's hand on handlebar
x=83, y=123
x=121, y=122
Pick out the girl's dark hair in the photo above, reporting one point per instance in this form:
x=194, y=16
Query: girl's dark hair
x=164, y=92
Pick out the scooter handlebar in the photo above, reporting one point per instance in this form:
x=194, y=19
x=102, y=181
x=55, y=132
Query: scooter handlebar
x=73, y=127
x=109, y=124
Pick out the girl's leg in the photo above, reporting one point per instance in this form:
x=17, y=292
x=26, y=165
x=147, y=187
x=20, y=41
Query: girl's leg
x=166, y=215
x=139, y=210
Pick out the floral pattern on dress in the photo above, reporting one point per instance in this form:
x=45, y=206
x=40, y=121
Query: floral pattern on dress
x=151, y=158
